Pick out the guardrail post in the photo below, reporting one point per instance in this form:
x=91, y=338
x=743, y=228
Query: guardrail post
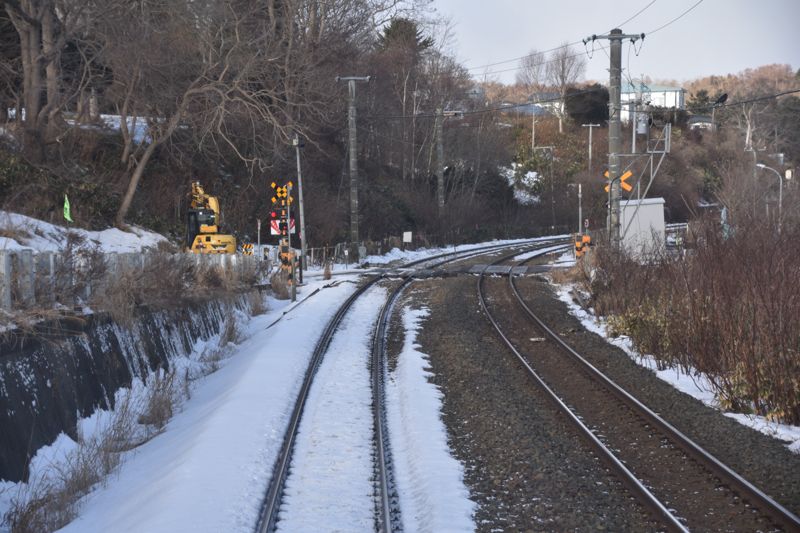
x=45, y=286
x=26, y=277
x=5, y=279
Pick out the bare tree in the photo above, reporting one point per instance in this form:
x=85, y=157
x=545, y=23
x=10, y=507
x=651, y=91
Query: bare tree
x=531, y=73
x=237, y=78
x=44, y=27
x=564, y=69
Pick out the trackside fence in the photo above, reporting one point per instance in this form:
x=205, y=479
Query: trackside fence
x=47, y=279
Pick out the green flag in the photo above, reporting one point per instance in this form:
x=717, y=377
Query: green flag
x=66, y=208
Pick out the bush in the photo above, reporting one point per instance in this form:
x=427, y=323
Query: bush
x=729, y=309
x=279, y=282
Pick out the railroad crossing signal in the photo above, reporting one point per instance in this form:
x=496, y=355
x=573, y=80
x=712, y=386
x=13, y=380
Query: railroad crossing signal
x=282, y=195
x=624, y=184
x=287, y=257
x=582, y=244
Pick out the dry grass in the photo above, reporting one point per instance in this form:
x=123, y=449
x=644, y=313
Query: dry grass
x=730, y=309
x=256, y=303
x=279, y=282
x=163, y=395
x=49, y=502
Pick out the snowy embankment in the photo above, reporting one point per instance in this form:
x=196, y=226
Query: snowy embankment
x=694, y=384
x=19, y=232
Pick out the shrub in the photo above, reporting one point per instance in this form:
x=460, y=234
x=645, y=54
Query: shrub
x=279, y=282
x=729, y=309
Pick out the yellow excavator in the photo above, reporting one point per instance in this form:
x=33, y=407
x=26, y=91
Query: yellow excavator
x=202, y=225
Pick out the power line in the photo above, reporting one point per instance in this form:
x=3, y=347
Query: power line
x=675, y=19
x=512, y=69
x=566, y=45
x=621, y=24
x=479, y=67
x=749, y=100
x=487, y=110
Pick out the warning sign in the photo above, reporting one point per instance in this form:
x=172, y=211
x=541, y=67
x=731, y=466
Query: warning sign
x=275, y=226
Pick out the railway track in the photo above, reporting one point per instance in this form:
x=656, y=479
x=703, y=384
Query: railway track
x=682, y=485
x=387, y=509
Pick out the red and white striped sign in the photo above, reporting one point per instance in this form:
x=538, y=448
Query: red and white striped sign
x=274, y=227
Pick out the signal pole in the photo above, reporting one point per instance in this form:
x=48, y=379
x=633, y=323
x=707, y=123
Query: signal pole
x=590, y=126
x=615, y=38
x=353, y=149
x=292, y=277
x=296, y=143
x=439, y=160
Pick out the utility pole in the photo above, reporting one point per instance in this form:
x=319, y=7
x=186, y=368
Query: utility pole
x=590, y=126
x=580, y=209
x=353, y=149
x=292, y=277
x=615, y=38
x=439, y=160
x=296, y=143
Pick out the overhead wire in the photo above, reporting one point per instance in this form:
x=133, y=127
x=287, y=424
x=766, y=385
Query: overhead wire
x=635, y=15
x=605, y=49
x=500, y=108
x=566, y=45
x=675, y=19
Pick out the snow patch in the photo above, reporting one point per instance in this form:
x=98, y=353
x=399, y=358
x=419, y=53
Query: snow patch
x=26, y=233
x=430, y=481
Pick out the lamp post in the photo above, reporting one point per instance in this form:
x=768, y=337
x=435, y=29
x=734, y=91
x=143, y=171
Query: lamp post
x=762, y=166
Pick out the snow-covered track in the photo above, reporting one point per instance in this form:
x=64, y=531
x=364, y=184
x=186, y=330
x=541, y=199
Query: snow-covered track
x=388, y=510
x=685, y=472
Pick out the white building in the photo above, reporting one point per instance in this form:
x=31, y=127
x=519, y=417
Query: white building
x=653, y=95
x=642, y=229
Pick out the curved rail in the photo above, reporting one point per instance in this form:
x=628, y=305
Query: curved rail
x=783, y=516
x=269, y=510
x=634, y=485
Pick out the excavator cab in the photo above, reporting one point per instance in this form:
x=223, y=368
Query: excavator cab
x=202, y=226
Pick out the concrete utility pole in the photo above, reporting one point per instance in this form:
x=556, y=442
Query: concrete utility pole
x=590, y=126
x=296, y=143
x=580, y=209
x=439, y=160
x=353, y=149
x=615, y=38
x=289, y=241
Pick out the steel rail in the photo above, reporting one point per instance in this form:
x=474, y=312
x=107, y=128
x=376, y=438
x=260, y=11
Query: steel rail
x=784, y=517
x=386, y=519
x=268, y=514
x=625, y=475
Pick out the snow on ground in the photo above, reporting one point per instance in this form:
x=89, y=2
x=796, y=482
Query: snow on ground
x=396, y=256
x=19, y=232
x=209, y=470
x=693, y=384
x=429, y=480
x=329, y=487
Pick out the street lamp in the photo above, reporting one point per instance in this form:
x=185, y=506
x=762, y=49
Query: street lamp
x=762, y=166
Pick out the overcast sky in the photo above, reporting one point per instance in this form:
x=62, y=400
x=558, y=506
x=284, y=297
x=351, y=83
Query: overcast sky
x=716, y=37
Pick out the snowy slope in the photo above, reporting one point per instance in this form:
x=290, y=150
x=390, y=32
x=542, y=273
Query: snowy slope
x=19, y=232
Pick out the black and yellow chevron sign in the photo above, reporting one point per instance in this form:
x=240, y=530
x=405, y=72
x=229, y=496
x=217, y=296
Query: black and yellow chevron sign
x=247, y=249
x=281, y=193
